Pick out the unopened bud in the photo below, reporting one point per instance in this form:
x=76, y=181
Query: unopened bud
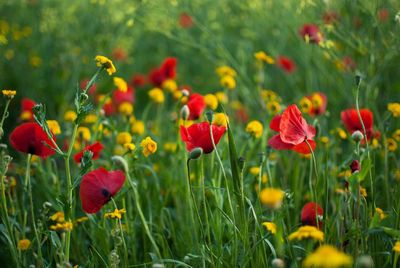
x=195, y=153
x=357, y=136
x=365, y=261
x=278, y=263
x=358, y=79
x=209, y=116
x=121, y=163
x=185, y=112
x=185, y=92
x=355, y=166
x=241, y=163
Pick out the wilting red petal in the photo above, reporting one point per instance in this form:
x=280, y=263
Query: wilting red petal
x=310, y=213
x=97, y=188
x=30, y=138
x=277, y=143
x=198, y=135
x=293, y=127
x=275, y=122
x=303, y=148
x=95, y=148
x=196, y=105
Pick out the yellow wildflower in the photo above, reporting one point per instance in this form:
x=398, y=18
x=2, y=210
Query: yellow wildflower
x=137, y=127
x=82, y=219
x=255, y=128
x=170, y=85
x=149, y=146
x=70, y=116
x=170, y=147
x=64, y=226
x=90, y=119
x=121, y=84
x=268, y=95
x=124, y=137
x=397, y=174
x=263, y=57
x=58, y=216
x=35, y=61
x=342, y=134
x=374, y=143
x=116, y=214
x=221, y=96
x=211, y=101
x=156, y=95
x=327, y=256
x=225, y=70
x=220, y=119
x=396, y=247
x=272, y=197
x=305, y=232
x=305, y=105
x=363, y=192
x=273, y=107
x=106, y=63
x=394, y=108
x=317, y=101
x=185, y=123
x=177, y=94
x=24, y=244
x=324, y=140
x=391, y=144
x=254, y=171
x=382, y=215
x=396, y=135
x=54, y=126
x=9, y=93
x=130, y=146
x=83, y=133
x=228, y=82
x=270, y=226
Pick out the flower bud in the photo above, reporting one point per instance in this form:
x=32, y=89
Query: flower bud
x=358, y=79
x=241, y=162
x=357, y=136
x=209, y=116
x=195, y=153
x=185, y=112
x=365, y=261
x=355, y=166
x=278, y=263
x=120, y=162
x=185, y=92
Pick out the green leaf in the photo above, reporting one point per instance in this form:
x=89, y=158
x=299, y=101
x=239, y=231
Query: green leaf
x=366, y=165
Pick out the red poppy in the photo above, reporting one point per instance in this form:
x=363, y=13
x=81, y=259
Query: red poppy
x=311, y=31
x=26, y=109
x=355, y=166
x=198, y=135
x=352, y=122
x=138, y=80
x=97, y=188
x=109, y=108
x=311, y=214
x=349, y=64
x=95, y=148
x=30, y=138
x=91, y=90
x=293, y=132
x=185, y=20
x=120, y=97
x=167, y=70
x=196, y=105
x=119, y=54
x=330, y=17
x=318, y=103
x=383, y=14
x=286, y=64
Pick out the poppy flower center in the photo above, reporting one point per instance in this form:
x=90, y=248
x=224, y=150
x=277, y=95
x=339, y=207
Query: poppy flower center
x=105, y=193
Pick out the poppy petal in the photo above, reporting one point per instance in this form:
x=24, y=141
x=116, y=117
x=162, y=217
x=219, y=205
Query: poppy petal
x=303, y=148
x=275, y=122
x=293, y=128
x=277, y=143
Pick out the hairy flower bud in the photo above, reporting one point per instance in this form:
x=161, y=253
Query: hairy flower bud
x=195, y=153
x=357, y=136
x=185, y=112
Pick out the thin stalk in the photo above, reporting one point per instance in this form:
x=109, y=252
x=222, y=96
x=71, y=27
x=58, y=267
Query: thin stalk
x=312, y=161
x=141, y=215
x=122, y=237
x=5, y=114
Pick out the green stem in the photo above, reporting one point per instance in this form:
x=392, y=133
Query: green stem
x=70, y=200
x=4, y=116
x=122, y=236
x=312, y=161
x=142, y=218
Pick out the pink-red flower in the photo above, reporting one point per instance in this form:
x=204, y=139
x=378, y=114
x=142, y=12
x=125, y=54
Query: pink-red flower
x=311, y=32
x=185, y=20
x=311, y=214
x=286, y=64
x=352, y=122
x=97, y=188
x=198, y=135
x=138, y=80
x=95, y=148
x=26, y=109
x=294, y=132
x=91, y=90
x=30, y=138
x=119, y=97
x=196, y=105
